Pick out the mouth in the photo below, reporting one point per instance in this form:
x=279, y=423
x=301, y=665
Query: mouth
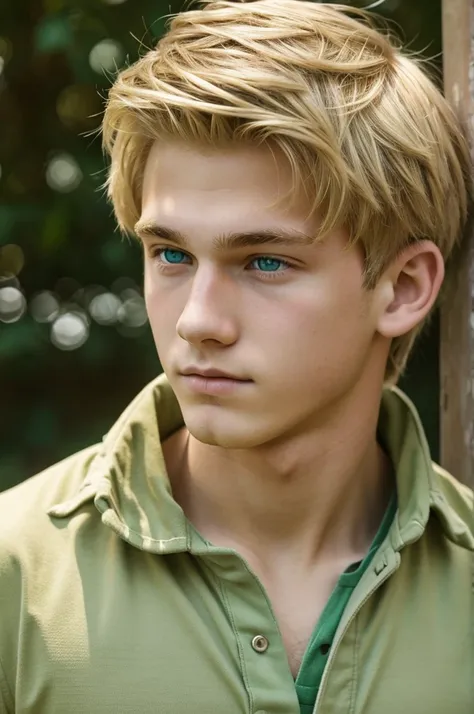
x=212, y=374
x=214, y=383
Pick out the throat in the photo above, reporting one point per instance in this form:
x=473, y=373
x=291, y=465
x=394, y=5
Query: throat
x=304, y=523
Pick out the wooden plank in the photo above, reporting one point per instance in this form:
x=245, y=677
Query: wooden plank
x=457, y=325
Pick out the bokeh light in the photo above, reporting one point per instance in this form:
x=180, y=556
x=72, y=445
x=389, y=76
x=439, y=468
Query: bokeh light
x=123, y=283
x=114, y=2
x=104, y=308
x=69, y=331
x=88, y=294
x=12, y=260
x=133, y=312
x=6, y=49
x=9, y=281
x=63, y=173
x=106, y=55
x=12, y=304
x=44, y=306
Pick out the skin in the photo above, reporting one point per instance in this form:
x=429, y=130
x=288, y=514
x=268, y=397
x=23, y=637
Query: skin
x=286, y=469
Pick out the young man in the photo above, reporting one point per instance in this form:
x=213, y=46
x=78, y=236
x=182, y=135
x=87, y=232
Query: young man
x=263, y=530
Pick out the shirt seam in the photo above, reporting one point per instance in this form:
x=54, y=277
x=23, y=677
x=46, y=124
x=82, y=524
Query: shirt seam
x=355, y=668
x=243, y=666
x=5, y=690
x=144, y=539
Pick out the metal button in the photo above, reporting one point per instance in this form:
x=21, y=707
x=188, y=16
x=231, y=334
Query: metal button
x=260, y=644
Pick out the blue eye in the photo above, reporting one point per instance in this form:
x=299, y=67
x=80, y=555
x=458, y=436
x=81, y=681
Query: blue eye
x=171, y=256
x=269, y=265
x=265, y=266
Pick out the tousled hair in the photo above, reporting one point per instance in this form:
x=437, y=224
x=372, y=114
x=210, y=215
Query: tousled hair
x=367, y=133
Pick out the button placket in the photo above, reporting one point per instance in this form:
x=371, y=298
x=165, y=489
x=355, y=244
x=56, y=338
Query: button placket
x=267, y=678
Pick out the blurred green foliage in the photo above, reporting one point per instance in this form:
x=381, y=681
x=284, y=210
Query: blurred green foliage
x=60, y=388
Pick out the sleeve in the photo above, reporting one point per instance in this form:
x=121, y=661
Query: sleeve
x=6, y=697
x=10, y=607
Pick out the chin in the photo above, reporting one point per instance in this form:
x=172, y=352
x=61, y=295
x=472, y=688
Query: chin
x=226, y=432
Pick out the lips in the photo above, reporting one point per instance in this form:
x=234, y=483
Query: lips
x=211, y=374
x=215, y=383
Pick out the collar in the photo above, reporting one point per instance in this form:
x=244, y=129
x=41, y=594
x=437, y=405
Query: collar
x=128, y=481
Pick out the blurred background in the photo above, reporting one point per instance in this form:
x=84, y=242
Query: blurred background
x=75, y=344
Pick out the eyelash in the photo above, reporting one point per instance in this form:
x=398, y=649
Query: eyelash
x=156, y=254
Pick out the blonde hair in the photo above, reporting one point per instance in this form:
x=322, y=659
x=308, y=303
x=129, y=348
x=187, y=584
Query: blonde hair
x=367, y=133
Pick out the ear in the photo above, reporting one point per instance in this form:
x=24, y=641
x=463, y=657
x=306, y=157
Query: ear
x=409, y=288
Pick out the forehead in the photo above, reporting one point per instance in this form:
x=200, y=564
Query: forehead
x=208, y=185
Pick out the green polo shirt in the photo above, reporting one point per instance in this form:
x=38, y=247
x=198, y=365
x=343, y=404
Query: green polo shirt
x=316, y=655
x=111, y=603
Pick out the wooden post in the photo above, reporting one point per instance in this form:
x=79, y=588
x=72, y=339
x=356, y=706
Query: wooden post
x=457, y=316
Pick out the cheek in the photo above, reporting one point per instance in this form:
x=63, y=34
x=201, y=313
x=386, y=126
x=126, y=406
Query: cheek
x=325, y=334
x=160, y=303
x=322, y=314
x=158, y=315
x=148, y=290
x=151, y=301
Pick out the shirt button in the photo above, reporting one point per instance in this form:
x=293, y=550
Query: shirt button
x=260, y=644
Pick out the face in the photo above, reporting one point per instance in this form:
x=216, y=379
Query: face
x=234, y=283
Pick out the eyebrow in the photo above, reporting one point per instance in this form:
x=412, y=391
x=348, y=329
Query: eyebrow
x=228, y=241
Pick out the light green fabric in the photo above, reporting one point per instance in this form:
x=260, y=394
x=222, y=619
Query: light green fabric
x=111, y=602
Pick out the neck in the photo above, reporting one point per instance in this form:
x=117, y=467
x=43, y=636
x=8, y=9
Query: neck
x=318, y=495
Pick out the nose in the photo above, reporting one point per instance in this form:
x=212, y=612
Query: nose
x=210, y=310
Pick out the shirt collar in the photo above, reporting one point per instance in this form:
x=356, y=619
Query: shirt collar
x=423, y=488
x=130, y=487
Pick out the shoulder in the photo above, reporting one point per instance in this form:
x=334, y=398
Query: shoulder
x=32, y=548
x=24, y=508
x=458, y=494
x=454, y=502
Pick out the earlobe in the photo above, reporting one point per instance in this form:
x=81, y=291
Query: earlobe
x=415, y=277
